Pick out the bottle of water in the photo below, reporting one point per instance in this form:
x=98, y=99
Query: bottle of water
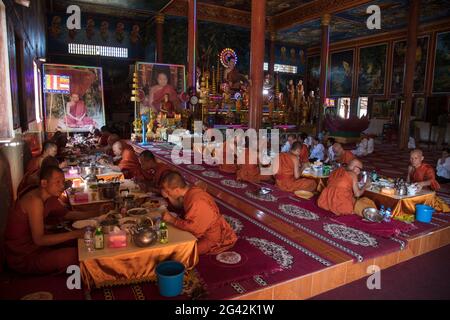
x=382, y=212
x=388, y=214
x=89, y=239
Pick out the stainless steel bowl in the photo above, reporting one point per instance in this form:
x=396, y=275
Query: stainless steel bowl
x=372, y=214
x=144, y=237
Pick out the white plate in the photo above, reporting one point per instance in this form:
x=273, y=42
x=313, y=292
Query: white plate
x=132, y=213
x=229, y=257
x=81, y=224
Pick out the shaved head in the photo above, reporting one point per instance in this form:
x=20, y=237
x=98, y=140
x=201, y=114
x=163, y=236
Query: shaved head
x=355, y=163
x=117, y=148
x=173, y=180
x=417, y=152
x=416, y=158
x=337, y=147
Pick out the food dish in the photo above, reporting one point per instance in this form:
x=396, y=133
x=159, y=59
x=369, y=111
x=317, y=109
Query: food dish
x=304, y=194
x=81, y=224
x=388, y=190
x=137, y=212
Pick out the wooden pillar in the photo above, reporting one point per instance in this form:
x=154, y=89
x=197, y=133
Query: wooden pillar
x=272, y=54
x=257, y=43
x=324, y=58
x=405, y=116
x=192, y=42
x=159, y=19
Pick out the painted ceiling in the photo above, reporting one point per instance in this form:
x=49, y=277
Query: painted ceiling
x=273, y=7
x=140, y=5
x=351, y=24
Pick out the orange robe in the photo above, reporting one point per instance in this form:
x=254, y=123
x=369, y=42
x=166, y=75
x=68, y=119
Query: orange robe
x=423, y=173
x=23, y=255
x=249, y=172
x=286, y=179
x=338, y=197
x=203, y=219
x=227, y=168
x=129, y=164
x=304, y=155
x=34, y=165
x=346, y=157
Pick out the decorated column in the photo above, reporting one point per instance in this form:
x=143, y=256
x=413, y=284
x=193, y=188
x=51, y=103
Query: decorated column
x=159, y=19
x=272, y=54
x=257, y=62
x=324, y=58
x=405, y=116
x=192, y=42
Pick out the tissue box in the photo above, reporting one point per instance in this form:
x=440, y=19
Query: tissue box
x=117, y=239
x=81, y=197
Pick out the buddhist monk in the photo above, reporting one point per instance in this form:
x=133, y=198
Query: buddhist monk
x=249, y=171
x=342, y=156
x=31, y=178
x=49, y=148
x=201, y=215
x=125, y=160
x=28, y=248
x=304, y=152
x=152, y=170
x=342, y=190
x=420, y=173
x=226, y=167
x=289, y=172
x=105, y=133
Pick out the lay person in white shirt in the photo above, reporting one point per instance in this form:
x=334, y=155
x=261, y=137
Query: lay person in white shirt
x=443, y=167
x=290, y=140
x=330, y=151
x=317, y=150
x=370, y=146
x=361, y=148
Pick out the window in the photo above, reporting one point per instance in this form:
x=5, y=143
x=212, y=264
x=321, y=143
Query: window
x=362, y=106
x=283, y=68
x=344, y=108
x=92, y=50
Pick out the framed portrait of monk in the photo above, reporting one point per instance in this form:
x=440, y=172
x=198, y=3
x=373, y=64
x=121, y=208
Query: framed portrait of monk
x=73, y=98
x=159, y=85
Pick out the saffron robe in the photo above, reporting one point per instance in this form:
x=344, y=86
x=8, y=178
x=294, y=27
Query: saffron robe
x=203, y=219
x=285, y=178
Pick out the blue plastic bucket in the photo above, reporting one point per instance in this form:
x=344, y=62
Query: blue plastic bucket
x=424, y=213
x=170, y=276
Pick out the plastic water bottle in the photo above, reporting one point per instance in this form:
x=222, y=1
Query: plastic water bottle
x=382, y=211
x=89, y=239
x=388, y=214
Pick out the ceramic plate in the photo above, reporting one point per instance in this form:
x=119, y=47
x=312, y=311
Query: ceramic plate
x=229, y=257
x=81, y=224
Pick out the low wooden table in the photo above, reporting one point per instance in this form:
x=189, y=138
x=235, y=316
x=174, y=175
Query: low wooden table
x=400, y=205
x=132, y=264
x=320, y=179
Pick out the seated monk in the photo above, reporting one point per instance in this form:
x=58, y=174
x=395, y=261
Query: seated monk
x=49, y=148
x=423, y=175
x=342, y=189
x=201, y=215
x=249, y=170
x=105, y=133
x=303, y=156
x=288, y=175
x=226, y=167
x=28, y=248
x=152, y=170
x=125, y=160
x=342, y=156
x=31, y=178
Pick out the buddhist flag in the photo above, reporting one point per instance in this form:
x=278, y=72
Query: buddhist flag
x=57, y=84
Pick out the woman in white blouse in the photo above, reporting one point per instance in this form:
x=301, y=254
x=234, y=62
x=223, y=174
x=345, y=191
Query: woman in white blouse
x=443, y=167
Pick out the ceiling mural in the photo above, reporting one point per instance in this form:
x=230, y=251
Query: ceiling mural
x=273, y=7
x=351, y=24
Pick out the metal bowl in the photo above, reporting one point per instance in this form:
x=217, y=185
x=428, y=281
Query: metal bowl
x=145, y=237
x=372, y=214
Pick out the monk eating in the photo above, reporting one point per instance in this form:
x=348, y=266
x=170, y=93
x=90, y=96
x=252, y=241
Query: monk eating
x=289, y=172
x=31, y=178
x=420, y=173
x=152, y=170
x=201, y=215
x=49, y=148
x=27, y=246
x=342, y=156
x=225, y=166
x=342, y=190
x=125, y=160
x=104, y=135
x=249, y=171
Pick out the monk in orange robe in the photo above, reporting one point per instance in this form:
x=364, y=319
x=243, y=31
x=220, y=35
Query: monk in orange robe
x=224, y=166
x=288, y=174
x=423, y=176
x=152, y=170
x=342, y=156
x=303, y=156
x=248, y=171
x=31, y=178
x=201, y=215
x=126, y=160
x=49, y=148
x=28, y=248
x=342, y=190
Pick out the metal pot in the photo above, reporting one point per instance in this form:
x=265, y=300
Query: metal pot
x=108, y=190
x=144, y=237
